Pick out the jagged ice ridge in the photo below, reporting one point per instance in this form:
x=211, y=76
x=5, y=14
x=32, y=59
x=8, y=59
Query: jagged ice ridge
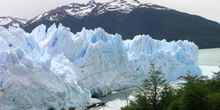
x=56, y=68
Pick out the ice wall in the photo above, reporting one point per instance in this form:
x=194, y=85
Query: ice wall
x=56, y=68
x=30, y=84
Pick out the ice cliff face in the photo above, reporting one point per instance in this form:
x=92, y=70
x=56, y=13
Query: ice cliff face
x=29, y=81
x=56, y=68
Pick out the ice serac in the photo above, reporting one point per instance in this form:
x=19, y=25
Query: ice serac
x=30, y=84
x=56, y=68
x=174, y=58
x=103, y=62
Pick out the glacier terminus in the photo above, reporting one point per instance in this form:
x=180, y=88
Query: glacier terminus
x=53, y=67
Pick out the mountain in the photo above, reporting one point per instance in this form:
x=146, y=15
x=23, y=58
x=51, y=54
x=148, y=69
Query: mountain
x=130, y=18
x=92, y=8
x=56, y=68
x=11, y=21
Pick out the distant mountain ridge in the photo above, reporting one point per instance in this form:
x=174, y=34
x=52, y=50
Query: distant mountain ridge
x=130, y=18
x=12, y=21
x=92, y=8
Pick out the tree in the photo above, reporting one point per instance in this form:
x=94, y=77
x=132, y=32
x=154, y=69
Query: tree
x=214, y=101
x=214, y=94
x=151, y=94
x=195, y=93
x=141, y=103
x=167, y=96
x=215, y=82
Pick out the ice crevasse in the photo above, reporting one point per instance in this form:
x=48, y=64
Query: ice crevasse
x=56, y=68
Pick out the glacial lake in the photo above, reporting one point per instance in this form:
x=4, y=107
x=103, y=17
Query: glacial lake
x=209, y=60
x=209, y=57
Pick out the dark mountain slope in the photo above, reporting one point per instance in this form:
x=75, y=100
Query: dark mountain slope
x=160, y=24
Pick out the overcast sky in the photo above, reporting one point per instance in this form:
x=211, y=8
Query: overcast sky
x=209, y=9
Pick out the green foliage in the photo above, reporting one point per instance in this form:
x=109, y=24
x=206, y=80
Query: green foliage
x=214, y=101
x=142, y=103
x=214, y=94
x=155, y=94
x=176, y=105
x=167, y=96
x=152, y=86
x=194, y=93
x=215, y=82
x=198, y=93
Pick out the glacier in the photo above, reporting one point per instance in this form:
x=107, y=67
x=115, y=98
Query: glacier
x=55, y=68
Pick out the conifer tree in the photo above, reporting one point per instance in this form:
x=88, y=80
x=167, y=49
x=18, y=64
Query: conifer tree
x=151, y=93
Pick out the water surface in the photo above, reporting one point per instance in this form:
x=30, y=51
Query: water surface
x=210, y=57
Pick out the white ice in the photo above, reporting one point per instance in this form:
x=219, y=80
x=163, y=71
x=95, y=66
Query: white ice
x=56, y=68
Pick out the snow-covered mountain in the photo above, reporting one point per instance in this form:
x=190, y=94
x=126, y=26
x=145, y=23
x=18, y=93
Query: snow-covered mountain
x=56, y=68
x=11, y=21
x=93, y=8
x=130, y=18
